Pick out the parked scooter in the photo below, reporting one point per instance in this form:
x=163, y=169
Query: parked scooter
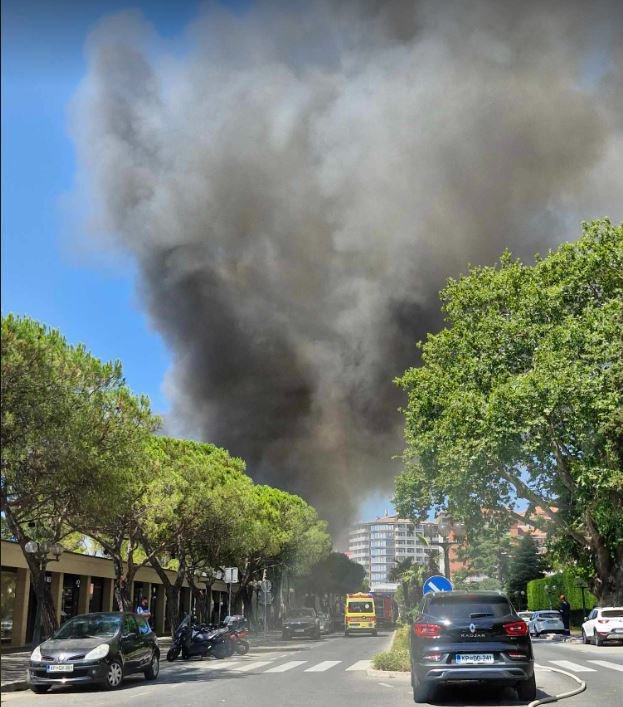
x=197, y=640
x=237, y=639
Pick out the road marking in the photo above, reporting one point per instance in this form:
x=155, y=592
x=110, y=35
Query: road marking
x=573, y=667
x=360, y=665
x=321, y=667
x=607, y=664
x=222, y=664
x=286, y=666
x=385, y=684
x=252, y=666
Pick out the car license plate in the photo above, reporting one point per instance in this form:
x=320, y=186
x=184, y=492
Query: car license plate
x=618, y=630
x=60, y=669
x=474, y=658
x=299, y=630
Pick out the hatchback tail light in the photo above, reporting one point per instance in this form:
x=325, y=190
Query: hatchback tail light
x=603, y=621
x=427, y=630
x=517, y=628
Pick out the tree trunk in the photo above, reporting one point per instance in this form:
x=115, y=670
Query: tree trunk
x=173, y=603
x=46, y=621
x=122, y=583
x=607, y=585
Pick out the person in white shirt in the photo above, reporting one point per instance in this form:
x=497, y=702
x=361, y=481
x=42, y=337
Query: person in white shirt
x=143, y=609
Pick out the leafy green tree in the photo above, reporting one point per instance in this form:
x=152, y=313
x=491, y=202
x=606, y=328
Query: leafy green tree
x=526, y=564
x=521, y=397
x=485, y=556
x=70, y=433
x=284, y=536
x=199, y=497
x=411, y=576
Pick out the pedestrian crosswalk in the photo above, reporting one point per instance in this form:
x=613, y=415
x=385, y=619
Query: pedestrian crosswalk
x=608, y=664
x=573, y=667
x=590, y=666
x=275, y=666
x=284, y=667
x=271, y=666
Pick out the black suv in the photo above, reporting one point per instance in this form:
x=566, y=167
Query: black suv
x=460, y=637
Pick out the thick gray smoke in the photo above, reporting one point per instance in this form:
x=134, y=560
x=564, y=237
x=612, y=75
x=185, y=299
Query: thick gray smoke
x=297, y=185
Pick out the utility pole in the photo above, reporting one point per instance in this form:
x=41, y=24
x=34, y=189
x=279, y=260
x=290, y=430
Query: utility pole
x=264, y=597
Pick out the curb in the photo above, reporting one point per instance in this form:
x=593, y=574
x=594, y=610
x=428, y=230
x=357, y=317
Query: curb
x=14, y=686
x=391, y=674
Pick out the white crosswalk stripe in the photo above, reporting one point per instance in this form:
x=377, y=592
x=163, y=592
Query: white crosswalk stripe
x=223, y=664
x=608, y=664
x=321, y=667
x=252, y=666
x=360, y=665
x=284, y=667
x=573, y=667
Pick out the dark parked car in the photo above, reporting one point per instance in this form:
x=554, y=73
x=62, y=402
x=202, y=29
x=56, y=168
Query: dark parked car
x=301, y=622
x=101, y=648
x=470, y=637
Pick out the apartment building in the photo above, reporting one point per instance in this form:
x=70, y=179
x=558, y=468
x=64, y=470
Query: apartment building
x=378, y=545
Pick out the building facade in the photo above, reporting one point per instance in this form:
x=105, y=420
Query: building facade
x=79, y=584
x=379, y=545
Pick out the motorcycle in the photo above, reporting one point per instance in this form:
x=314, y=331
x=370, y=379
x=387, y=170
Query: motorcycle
x=192, y=639
x=237, y=639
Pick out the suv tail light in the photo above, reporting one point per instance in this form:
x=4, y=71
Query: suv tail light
x=427, y=630
x=517, y=628
x=516, y=655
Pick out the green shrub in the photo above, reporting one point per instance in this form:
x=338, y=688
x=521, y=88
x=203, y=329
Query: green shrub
x=392, y=660
x=397, y=658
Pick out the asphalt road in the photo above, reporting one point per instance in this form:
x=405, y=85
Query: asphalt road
x=334, y=671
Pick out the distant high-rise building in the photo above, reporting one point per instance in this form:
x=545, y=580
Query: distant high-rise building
x=379, y=545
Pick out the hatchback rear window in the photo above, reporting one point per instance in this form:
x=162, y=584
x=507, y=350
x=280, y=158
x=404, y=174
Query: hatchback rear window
x=548, y=615
x=448, y=607
x=613, y=613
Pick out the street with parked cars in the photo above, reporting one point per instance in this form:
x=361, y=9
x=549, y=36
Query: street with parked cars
x=337, y=671
x=466, y=648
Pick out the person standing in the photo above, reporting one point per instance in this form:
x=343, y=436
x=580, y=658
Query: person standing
x=143, y=609
x=565, y=611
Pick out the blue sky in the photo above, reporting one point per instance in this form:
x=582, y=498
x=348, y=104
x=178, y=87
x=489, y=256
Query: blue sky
x=43, y=275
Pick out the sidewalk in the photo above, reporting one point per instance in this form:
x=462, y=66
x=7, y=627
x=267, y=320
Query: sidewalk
x=13, y=665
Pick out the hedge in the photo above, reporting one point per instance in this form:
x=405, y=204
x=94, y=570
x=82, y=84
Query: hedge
x=563, y=583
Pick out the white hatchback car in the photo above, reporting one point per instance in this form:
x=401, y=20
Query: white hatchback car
x=546, y=621
x=604, y=623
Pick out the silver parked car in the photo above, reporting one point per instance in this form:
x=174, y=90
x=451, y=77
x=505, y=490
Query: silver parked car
x=546, y=621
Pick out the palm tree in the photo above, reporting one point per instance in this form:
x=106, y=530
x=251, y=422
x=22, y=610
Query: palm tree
x=411, y=576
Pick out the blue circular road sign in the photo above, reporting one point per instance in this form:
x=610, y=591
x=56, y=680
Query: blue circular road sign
x=437, y=583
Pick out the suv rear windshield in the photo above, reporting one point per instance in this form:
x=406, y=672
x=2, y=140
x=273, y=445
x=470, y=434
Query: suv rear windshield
x=456, y=607
x=613, y=613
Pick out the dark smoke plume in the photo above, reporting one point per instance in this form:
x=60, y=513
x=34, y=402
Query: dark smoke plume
x=296, y=187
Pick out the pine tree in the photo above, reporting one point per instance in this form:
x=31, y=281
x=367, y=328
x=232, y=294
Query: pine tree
x=526, y=564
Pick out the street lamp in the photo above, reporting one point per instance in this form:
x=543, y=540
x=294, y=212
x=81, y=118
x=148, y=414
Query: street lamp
x=445, y=526
x=40, y=552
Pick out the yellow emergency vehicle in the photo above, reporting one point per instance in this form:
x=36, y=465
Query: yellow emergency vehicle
x=359, y=614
